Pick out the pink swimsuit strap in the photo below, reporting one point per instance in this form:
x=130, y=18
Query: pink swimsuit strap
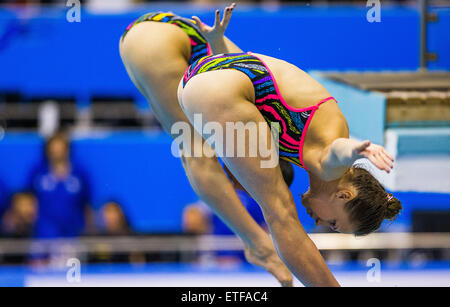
x=325, y=100
x=307, y=126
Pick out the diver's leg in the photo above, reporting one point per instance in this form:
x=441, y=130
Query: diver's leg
x=156, y=72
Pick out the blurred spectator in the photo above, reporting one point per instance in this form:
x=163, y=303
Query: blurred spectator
x=196, y=219
x=62, y=192
x=19, y=220
x=115, y=222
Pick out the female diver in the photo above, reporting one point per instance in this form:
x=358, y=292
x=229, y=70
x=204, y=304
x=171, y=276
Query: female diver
x=156, y=50
x=234, y=86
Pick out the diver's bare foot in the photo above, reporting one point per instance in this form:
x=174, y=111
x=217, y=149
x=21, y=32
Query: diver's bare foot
x=268, y=259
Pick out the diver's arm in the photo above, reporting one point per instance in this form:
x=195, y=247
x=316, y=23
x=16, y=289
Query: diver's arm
x=216, y=35
x=336, y=158
x=224, y=45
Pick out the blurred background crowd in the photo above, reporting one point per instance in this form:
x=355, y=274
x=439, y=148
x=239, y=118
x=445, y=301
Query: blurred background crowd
x=56, y=204
x=56, y=201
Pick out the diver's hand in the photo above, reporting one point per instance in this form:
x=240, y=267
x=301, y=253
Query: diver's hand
x=216, y=32
x=376, y=154
x=267, y=258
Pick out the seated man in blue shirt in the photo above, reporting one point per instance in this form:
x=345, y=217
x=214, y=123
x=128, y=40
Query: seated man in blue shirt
x=19, y=219
x=62, y=192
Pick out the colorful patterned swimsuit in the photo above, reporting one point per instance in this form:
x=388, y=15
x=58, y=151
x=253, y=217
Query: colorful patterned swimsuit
x=199, y=46
x=293, y=122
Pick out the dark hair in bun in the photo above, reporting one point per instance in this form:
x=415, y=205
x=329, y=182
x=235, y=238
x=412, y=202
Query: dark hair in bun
x=372, y=205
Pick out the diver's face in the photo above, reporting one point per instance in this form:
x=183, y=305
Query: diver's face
x=328, y=210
